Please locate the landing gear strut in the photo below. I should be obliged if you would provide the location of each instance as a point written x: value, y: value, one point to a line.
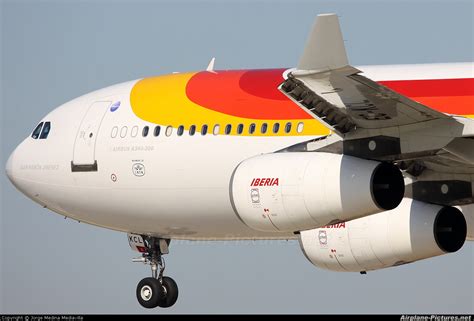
x: 157, y: 290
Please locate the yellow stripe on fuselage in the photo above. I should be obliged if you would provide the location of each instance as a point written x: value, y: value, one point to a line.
x: 162, y: 100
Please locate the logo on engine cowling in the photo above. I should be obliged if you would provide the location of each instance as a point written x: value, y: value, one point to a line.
x: 255, y: 195
x: 265, y: 182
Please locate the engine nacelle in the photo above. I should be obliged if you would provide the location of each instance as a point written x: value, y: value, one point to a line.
x: 301, y: 191
x: 468, y: 211
x: 411, y: 232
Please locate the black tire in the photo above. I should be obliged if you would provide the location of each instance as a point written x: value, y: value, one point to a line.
x: 170, y: 293
x: 149, y: 293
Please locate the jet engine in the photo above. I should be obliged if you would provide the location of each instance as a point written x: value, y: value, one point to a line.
x: 468, y: 211
x: 411, y: 232
x: 300, y: 191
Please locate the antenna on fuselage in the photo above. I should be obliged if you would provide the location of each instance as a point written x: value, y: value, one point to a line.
x: 210, y: 66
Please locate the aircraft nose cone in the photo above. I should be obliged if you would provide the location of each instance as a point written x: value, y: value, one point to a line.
x: 13, y: 172
x: 9, y: 166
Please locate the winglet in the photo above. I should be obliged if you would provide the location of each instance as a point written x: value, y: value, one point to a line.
x: 325, y: 47
x: 210, y: 67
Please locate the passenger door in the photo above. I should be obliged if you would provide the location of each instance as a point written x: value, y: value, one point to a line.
x: 84, y: 146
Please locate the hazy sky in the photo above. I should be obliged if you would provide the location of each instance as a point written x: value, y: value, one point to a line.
x: 53, y: 51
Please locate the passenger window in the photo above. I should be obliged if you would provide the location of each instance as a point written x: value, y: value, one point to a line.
x: 204, y: 130
x: 114, y: 132
x: 192, y: 130
x: 288, y: 128
x: 37, y: 131
x: 228, y: 129
x: 169, y: 131
x: 252, y: 128
x: 156, y: 131
x: 240, y: 129
x: 145, y: 131
x: 264, y: 128
x: 300, y: 127
x: 123, y: 131
x: 276, y: 128
x: 216, y: 130
x: 46, y: 130
x: 180, y: 130
x: 134, y: 132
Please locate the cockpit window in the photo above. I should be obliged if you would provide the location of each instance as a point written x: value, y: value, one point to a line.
x: 46, y: 130
x: 37, y: 131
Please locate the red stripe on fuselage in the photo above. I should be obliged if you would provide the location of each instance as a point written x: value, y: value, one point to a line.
x: 254, y: 94
x: 250, y: 94
x: 451, y: 96
x: 432, y: 87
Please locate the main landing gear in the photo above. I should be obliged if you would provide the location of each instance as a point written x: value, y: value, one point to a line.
x: 157, y: 290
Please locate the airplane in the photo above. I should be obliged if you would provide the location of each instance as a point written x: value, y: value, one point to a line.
x: 367, y: 167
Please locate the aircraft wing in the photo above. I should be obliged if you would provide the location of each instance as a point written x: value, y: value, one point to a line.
x: 374, y: 122
x: 345, y: 101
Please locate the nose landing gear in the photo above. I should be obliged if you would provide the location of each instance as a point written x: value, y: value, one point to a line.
x: 157, y: 290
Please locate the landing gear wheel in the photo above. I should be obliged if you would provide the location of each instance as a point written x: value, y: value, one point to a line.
x: 158, y: 290
x: 150, y: 292
x: 170, y: 295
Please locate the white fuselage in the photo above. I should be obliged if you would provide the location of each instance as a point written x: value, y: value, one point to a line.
x: 180, y: 188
